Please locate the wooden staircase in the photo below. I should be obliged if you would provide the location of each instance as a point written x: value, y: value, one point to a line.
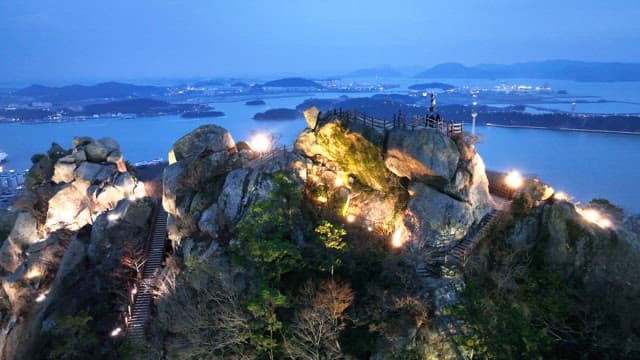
x: 442, y: 262
x: 144, y: 296
x: 459, y: 254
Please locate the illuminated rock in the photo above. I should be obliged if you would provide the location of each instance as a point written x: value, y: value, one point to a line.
x: 423, y: 155
x: 207, y: 139
x: 311, y: 116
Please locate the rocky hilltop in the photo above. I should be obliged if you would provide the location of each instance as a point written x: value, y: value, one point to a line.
x: 338, y: 247
x: 81, y: 219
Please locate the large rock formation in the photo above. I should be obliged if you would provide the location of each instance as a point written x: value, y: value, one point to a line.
x: 45, y: 257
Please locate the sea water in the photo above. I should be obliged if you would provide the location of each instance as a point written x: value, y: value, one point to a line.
x: 585, y: 165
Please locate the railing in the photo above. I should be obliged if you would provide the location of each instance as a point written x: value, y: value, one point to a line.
x: 399, y: 121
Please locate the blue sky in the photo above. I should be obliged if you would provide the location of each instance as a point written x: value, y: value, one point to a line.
x: 83, y: 40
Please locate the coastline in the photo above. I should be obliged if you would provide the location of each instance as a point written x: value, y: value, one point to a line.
x: 562, y: 129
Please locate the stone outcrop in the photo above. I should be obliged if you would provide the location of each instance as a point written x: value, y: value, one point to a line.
x: 46, y: 255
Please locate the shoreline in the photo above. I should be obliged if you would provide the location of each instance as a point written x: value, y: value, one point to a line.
x: 617, y: 132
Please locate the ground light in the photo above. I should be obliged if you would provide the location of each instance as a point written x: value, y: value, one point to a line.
x: 116, y: 332
x: 514, y: 180
x: 396, y: 239
x: 594, y: 216
x: 261, y: 142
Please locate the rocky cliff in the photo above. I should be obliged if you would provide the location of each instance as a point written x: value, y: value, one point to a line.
x: 80, y: 227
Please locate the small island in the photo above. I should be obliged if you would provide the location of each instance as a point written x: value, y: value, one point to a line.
x: 255, y: 102
x: 278, y: 114
x: 202, y: 114
x: 432, y: 85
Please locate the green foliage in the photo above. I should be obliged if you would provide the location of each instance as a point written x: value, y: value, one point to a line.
x: 332, y: 236
x: 266, y: 325
x: 522, y: 205
x: 72, y: 338
x: 616, y: 212
x: 355, y: 154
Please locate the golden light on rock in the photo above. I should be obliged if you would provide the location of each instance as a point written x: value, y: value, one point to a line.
x: 261, y: 142
x: 594, y: 216
x: 561, y: 196
x: 339, y: 181
x: 33, y: 273
x: 514, y: 180
x: 322, y: 199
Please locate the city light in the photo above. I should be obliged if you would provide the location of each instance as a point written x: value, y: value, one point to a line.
x: 261, y: 142
x: 514, y: 180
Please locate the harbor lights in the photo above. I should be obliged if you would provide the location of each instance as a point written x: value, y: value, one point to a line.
x: 514, y: 180
x: 261, y: 142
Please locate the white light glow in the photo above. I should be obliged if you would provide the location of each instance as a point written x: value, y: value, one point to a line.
x: 261, y: 142
x: 351, y: 218
x: 514, y: 180
x: 113, y: 217
x: 562, y: 196
x: 41, y: 298
x: 594, y: 216
x: 339, y: 181
x: 116, y: 331
x: 369, y: 228
x: 396, y: 239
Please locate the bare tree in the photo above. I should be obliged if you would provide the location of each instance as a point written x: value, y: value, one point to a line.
x: 203, y: 311
x: 315, y: 329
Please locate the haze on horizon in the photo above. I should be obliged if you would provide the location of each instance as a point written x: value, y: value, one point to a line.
x: 73, y: 41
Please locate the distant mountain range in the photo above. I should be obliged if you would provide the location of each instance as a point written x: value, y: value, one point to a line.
x: 108, y: 90
x: 551, y: 69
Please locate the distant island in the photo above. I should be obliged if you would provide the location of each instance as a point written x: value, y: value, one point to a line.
x: 431, y: 85
x: 550, y: 69
x: 202, y: 114
x: 108, y: 90
x: 293, y: 82
x: 255, y: 102
x: 121, y: 108
x: 278, y: 114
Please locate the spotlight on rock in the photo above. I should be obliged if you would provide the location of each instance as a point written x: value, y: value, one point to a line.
x: 261, y: 142
x: 514, y: 180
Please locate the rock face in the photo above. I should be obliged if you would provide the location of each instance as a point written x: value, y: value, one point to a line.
x: 45, y: 253
x: 205, y: 139
x: 421, y: 155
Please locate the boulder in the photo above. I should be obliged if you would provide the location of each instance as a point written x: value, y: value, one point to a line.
x: 10, y: 256
x: 96, y: 152
x: 437, y: 218
x: 79, y: 141
x: 208, y: 221
x: 206, y: 138
x: 233, y: 194
x: 25, y: 230
x: 423, y: 155
x: 64, y: 169
x: 92, y: 172
x: 69, y: 208
x: 311, y: 116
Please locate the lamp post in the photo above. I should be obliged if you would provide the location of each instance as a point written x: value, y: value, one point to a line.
x: 474, y: 114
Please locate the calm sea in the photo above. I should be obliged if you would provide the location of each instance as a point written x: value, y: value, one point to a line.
x: 585, y: 165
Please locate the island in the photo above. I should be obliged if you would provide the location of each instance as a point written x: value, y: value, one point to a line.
x: 432, y: 85
x: 293, y: 82
x: 278, y: 114
x: 202, y: 114
x: 255, y: 102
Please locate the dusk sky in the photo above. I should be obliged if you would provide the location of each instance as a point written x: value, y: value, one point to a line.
x: 80, y: 40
